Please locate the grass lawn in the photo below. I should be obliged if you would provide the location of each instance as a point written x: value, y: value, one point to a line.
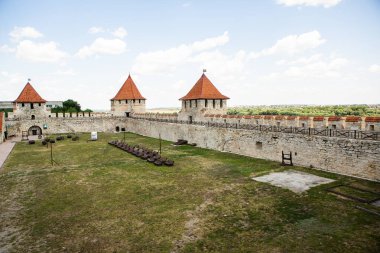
x: 101, y: 199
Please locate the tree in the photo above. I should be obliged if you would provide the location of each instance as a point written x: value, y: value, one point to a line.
x: 71, y: 106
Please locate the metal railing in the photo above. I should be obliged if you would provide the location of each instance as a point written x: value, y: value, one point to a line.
x: 340, y: 133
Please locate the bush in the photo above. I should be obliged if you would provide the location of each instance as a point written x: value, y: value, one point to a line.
x: 69, y: 136
x: 47, y: 139
x: 52, y: 141
x: 75, y: 138
x: 32, y: 142
x: 44, y: 142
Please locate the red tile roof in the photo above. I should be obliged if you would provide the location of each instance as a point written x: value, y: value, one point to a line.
x: 372, y: 119
x: 291, y: 118
x: 318, y: 118
x: 304, y: 118
x: 334, y: 118
x: 204, y: 89
x: 353, y: 119
x: 128, y: 91
x: 29, y: 95
x: 1, y: 121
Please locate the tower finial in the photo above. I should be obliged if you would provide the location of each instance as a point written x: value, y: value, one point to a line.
x: 29, y: 79
x: 204, y: 70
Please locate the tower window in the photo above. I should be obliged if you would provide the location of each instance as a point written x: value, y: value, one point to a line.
x: 206, y: 102
x: 213, y: 103
x: 139, y: 101
x: 221, y: 103
x: 22, y: 104
x: 119, y: 101
x: 134, y: 100
x: 196, y: 103
x: 39, y: 104
x: 185, y: 103
x: 190, y: 104
x: 31, y: 106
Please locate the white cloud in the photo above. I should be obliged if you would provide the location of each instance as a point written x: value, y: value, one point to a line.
x: 6, y: 49
x: 302, y: 60
x: 314, y: 67
x: 293, y: 44
x: 120, y: 32
x: 39, y: 52
x: 324, y: 3
x: 65, y: 72
x: 102, y: 46
x: 19, y: 33
x: 210, y: 42
x: 95, y: 29
x: 170, y: 59
x: 374, y: 68
x: 225, y: 68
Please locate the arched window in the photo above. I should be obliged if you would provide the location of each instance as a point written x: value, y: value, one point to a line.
x: 117, y: 129
x: 33, y: 117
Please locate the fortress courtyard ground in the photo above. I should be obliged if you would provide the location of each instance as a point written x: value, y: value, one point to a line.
x: 98, y: 198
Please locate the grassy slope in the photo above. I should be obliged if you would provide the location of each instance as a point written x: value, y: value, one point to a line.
x: 101, y: 199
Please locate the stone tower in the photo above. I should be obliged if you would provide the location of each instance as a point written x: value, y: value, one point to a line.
x: 30, y: 105
x: 128, y: 100
x: 203, y: 98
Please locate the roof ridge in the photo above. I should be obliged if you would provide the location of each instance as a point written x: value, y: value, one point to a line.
x: 204, y: 89
x: 29, y: 94
x: 128, y: 90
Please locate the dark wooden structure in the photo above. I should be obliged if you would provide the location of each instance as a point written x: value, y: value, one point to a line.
x: 287, y: 159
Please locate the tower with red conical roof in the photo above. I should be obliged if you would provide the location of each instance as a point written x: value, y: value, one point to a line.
x: 128, y: 100
x: 203, y: 98
x: 30, y: 105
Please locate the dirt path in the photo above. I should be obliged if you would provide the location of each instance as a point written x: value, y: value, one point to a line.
x: 193, y: 227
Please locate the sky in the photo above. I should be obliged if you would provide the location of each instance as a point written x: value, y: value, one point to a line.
x: 258, y: 52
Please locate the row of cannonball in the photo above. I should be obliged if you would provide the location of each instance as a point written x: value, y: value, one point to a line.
x: 144, y: 153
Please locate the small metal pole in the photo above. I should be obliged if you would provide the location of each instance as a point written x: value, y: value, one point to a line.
x: 160, y: 141
x: 51, y: 153
x: 124, y: 136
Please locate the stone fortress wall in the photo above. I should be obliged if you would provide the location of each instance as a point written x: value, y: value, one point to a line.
x: 332, y: 122
x: 354, y: 157
x: 2, y: 127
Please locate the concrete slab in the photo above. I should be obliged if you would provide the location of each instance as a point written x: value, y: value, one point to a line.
x: 296, y: 181
x: 376, y: 203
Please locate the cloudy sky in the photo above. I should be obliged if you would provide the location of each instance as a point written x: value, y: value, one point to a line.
x: 256, y: 52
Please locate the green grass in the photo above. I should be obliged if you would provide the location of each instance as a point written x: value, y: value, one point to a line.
x: 101, y: 199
